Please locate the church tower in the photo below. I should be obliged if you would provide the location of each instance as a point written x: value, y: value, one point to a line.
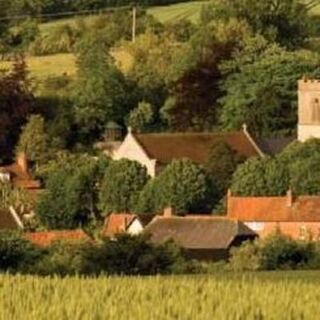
x: 308, y: 109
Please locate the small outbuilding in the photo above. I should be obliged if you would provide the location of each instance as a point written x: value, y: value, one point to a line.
x: 202, y: 237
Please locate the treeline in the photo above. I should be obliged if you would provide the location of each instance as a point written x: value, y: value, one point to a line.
x: 33, y: 8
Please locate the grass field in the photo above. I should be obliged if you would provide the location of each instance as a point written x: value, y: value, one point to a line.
x: 292, y: 295
x: 188, y: 10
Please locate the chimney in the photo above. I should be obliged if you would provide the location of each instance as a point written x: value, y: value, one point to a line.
x: 168, y: 212
x: 22, y: 161
x: 289, y: 198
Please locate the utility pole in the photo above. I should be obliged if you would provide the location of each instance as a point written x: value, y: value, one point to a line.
x: 134, y: 21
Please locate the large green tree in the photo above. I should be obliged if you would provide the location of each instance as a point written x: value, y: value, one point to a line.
x: 183, y: 185
x: 123, y: 180
x: 71, y: 196
x: 100, y: 93
x: 260, y: 87
x: 194, y: 75
x: 260, y: 177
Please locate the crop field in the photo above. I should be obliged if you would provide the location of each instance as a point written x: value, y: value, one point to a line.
x: 281, y: 295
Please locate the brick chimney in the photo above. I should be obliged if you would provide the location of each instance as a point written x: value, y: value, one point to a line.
x: 168, y: 212
x: 289, y: 198
x: 22, y: 161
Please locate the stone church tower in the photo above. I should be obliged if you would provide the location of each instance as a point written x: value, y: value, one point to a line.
x: 308, y: 109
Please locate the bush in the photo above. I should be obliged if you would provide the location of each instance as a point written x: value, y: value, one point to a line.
x: 275, y: 252
x: 16, y: 253
x: 134, y: 255
x: 62, y: 258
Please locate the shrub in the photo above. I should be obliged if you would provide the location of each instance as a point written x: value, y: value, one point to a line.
x: 16, y: 253
x: 245, y: 257
x: 134, y: 255
x: 275, y: 252
x: 62, y: 258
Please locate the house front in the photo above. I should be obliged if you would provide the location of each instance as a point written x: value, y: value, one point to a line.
x: 298, y: 217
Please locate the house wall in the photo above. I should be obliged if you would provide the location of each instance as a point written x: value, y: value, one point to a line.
x: 130, y: 149
x: 135, y: 227
x: 297, y: 230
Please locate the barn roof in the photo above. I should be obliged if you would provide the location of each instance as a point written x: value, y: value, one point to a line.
x: 165, y: 147
x: 197, y: 232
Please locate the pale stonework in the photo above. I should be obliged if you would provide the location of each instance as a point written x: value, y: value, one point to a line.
x: 308, y: 109
x: 131, y: 149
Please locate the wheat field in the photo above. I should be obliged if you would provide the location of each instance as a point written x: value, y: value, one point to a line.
x: 260, y: 296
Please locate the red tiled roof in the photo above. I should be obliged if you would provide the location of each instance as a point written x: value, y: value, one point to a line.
x: 165, y: 147
x: 117, y: 223
x: 46, y: 238
x: 275, y: 209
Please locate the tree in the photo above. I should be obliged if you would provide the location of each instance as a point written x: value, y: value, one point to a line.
x: 33, y: 140
x: 16, y: 104
x: 121, y: 185
x: 302, y: 161
x: 260, y: 177
x: 260, y: 87
x: 221, y: 165
x: 194, y: 76
x: 284, y: 21
x: 100, y: 94
x: 71, y: 196
x: 182, y: 185
x: 141, y: 117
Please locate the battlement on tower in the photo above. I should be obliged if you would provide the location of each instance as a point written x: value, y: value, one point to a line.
x: 306, y: 84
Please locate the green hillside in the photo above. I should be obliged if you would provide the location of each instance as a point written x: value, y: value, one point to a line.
x: 187, y: 10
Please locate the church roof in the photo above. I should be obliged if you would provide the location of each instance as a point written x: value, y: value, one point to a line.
x: 165, y: 147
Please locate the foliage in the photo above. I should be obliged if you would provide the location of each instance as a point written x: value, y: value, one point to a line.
x: 221, y: 165
x: 194, y: 75
x: 260, y: 177
x: 70, y: 199
x: 260, y: 87
x: 141, y: 117
x: 275, y: 252
x: 295, y: 168
x: 287, y: 22
x: 16, y: 104
x: 16, y: 253
x: 62, y: 258
x: 100, y: 93
x: 33, y: 141
x: 122, y: 182
x: 182, y: 185
x: 17, y: 198
x: 135, y: 255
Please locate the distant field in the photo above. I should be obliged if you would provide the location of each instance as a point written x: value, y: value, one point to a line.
x: 223, y: 296
x: 48, y: 66
x: 188, y: 10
